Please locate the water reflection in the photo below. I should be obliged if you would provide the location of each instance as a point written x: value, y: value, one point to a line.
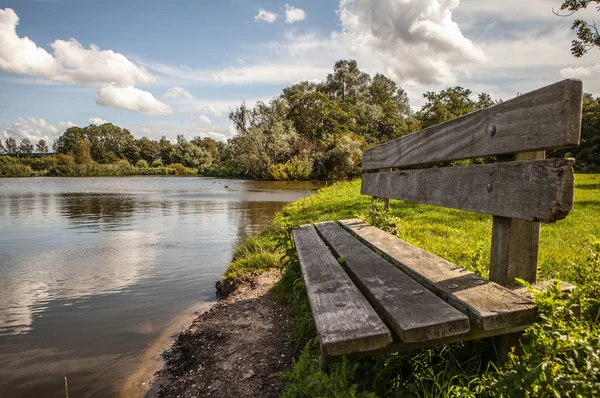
x: 91, y: 270
x: 87, y: 209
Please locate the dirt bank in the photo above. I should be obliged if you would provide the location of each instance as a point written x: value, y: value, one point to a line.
x: 232, y: 349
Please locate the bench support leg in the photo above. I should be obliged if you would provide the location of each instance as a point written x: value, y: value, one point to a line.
x: 514, y: 255
x: 514, y: 250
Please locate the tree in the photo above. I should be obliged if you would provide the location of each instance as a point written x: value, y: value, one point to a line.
x: 11, y: 146
x: 165, y: 150
x: 42, y: 147
x: 148, y: 150
x: 26, y: 147
x: 588, y: 36
x: 449, y: 104
x: 188, y: 154
x: 2, y: 149
x: 82, y: 153
x: 66, y: 143
x: 209, y: 145
x: 347, y: 82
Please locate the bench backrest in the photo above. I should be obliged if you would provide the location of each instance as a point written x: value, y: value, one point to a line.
x: 520, y: 190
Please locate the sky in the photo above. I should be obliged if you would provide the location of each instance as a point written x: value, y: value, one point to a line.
x: 178, y: 67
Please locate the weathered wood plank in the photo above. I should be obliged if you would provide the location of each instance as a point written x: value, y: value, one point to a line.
x: 514, y: 252
x: 540, y: 120
x: 501, y: 189
x: 400, y: 346
x: 344, y: 320
x: 488, y: 305
x: 412, y: 311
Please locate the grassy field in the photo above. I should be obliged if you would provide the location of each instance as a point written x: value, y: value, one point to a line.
x: 561, y: 357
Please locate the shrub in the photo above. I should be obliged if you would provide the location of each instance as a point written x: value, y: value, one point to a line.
x: 15, y: 170
x: 64, y: 160
x: 157, y: 163
x: 295, y: 169
x: 141, y: 163
x: 181, y: 169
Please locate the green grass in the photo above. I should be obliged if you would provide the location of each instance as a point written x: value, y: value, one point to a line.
x: 560, y: 350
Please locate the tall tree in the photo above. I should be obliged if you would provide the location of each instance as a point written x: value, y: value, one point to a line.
x: 2, y: 149
x: 148, y: 150
x: 165, y: 150
x: 26, y: 147
x: 41, y: 146
x: 11, y: 146
x: 347, y: 82
x: 588, y: 36
x: 82, y: 153
x: 189, y: 154
x: 449, y: 104
x: 66, y: 143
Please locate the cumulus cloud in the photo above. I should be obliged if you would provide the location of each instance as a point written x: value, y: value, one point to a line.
x: 71, y: 63
x: 98, y: 121
x: 416, y: 39
x: 62, y: 126
x: 132, y: 99
x: 214, y: 110
x: 178, y: 93
x: 293, y: 14
x: 581, y: 71
x: 30, y: 127
x: 205, y: 119
x: 265, y: 16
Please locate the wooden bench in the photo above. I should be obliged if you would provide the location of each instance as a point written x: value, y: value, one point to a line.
x: 372, y: 293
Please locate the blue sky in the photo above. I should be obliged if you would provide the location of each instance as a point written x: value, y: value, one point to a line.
x: 168, y: 68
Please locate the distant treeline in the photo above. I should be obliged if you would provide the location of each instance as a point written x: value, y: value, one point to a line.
x: 310, y: 131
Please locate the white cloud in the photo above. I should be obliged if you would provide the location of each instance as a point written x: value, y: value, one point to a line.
x: 581, y: 71
x: 132, y: 99
x: 178, y: 93
x: 98, y: 121
x: 214, y: 110
x: 71, y: 63
x: 204, y: 119
x: 268, y: 72
x: 30, y: 127
x: 293, y: 14
x: 62, y: 126
x: 416, y: 40
x: 266, y: 16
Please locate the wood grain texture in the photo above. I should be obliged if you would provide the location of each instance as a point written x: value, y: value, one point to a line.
x: 344, y: 320
x: 399, y: 346
x: 488, y: 305
x: 414, y: 317
x: 542, y: 119
x: 514, y: 252
x: 539, y: 190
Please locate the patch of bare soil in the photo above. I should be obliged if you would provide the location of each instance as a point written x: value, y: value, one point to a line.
x: 233, y: 349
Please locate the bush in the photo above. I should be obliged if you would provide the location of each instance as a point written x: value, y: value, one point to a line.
x: 157, y: 163
x: 15, y: 170
x: 220, y: 170
x: 64, y: 160
x: 294, y: 170
x: 142, y: 163
x: 181, y: 170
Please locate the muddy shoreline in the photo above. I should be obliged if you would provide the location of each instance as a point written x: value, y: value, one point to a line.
x: 231, y: 349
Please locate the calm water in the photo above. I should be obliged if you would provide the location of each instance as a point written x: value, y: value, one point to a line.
x: 93, y: 269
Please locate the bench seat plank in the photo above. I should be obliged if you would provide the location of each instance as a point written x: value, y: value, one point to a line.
x: 414, y: 317
x: 489, y: 305
x: 344, y: 320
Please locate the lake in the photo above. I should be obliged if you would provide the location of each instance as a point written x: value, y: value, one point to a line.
x: 92, y: 270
